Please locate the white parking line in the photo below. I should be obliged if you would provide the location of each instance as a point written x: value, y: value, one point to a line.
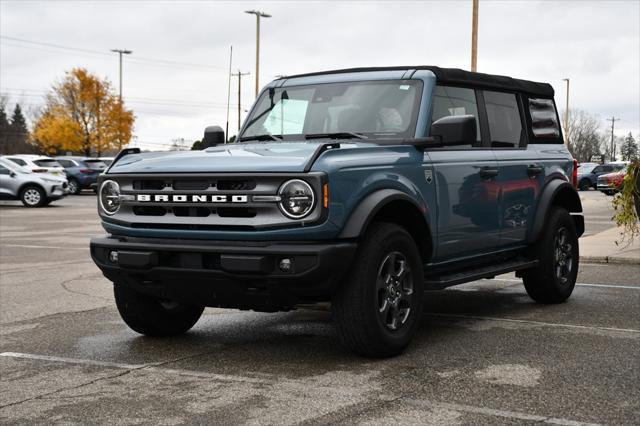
x: 496, y: 413
x: 628, y: 287
x: 45, y: 247
x: 541, y: 323
x: 147, y: 367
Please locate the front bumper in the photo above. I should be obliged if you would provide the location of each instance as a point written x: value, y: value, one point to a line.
x: 224, y: 273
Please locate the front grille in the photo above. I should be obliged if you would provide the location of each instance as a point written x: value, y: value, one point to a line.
x: 207, y: 201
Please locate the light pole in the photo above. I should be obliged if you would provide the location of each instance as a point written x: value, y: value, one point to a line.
x: 121, y: 52
x: 566, y: 115
x: 239, y: 74
x: 259, y: 15
x: 474, y: 36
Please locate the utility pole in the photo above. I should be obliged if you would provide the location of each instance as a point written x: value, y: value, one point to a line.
x: 474, y: 36
x: 566, y: 115
x: 239, y: 74
x: 259, y: 15
x: 120, y: 52
x: 226, y: 138
x: 613, y: 121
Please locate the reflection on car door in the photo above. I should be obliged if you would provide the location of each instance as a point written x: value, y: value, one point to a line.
x: 521, y: 175
x: 466, y: 191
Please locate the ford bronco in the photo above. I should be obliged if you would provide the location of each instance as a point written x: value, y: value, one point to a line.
x: 359, y: 187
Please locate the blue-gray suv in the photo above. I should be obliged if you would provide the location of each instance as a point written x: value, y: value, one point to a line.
x: 360, y: 187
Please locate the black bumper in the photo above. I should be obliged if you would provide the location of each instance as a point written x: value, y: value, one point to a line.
x: 223, y: 273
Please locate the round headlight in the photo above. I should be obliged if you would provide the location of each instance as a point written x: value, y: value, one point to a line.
x: 110, y: 197
x: 296, y: 198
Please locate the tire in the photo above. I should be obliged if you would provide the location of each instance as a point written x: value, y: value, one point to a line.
x: 74, y: 187
x: 553, y: 280
x: 585, y: 185
x: 609, y: 193
x: 33, y: 196
x: 152, y: 316
x: 369, y: 289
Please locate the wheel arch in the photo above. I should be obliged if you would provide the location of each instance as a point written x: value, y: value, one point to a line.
x: 557, y: 193
x: 394, y: 206
x: 27, y: 184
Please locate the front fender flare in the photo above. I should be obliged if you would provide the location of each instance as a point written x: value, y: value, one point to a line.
x: 367, y: 209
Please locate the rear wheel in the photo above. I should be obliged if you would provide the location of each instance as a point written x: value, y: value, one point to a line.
x: 152, y: 316
x: 553, y: 280
x: 33, y: 196
x: 379, y: 305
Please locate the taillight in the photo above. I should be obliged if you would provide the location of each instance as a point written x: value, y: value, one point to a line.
x: 39, y: 170
x: 574, y: 175
x: 86, y: 171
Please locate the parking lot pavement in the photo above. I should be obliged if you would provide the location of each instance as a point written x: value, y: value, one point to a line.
x: 484, y: 353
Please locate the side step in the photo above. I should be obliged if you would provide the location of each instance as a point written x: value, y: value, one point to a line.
x: 449, y: 279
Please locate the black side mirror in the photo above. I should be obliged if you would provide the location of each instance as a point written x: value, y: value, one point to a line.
x: 455, y: 130
x: 12, y: 174
x: 213, y: 135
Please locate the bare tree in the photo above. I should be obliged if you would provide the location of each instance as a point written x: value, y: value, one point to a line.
x: 584, y: 136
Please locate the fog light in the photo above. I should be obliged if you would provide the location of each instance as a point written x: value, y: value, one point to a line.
x: 285, y: 265
x: 113, y: 256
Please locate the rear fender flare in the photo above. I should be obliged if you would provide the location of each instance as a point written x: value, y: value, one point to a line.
x: 561, y: 193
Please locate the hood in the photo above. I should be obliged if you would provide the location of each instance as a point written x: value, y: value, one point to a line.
x: 236, y: 158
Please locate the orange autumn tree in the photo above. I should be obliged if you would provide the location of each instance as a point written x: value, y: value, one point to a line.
x: 83, y: 114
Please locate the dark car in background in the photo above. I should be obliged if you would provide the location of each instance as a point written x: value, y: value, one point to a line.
x: 588, y: 173
x: 82, y: 172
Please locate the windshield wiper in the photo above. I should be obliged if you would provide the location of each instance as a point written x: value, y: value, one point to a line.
x: 265, y: 137
x: 336, y: 135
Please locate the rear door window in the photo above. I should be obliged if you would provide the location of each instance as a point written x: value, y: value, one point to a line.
x: 453, y: 101
x: 503, y: 115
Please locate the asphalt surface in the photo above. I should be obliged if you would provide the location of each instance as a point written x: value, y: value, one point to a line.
x: 484, y: 353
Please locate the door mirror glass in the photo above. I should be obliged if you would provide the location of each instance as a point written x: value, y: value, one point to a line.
x: 213, y: 135
x: 455, y: 130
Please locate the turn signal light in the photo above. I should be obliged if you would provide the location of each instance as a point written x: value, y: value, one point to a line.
x: 325, y: 195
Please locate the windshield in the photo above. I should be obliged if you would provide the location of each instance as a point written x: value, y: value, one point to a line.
x: 370, y: 109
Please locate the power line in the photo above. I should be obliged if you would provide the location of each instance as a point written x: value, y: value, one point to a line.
x: 138, y: 59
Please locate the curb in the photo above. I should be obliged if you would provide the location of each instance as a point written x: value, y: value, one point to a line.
x: 610, y: 260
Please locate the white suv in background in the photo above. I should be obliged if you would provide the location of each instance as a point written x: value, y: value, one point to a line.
x: 37, y: 164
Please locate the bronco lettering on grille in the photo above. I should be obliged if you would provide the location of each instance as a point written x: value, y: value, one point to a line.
x: 181, y: 198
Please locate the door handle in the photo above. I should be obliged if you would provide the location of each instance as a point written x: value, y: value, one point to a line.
x: 533, y: 170
x: 487, y: 173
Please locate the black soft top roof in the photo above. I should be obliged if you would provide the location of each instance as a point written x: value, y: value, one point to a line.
x: 458, y: 77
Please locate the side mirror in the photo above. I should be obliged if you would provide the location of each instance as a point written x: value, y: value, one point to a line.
x: 213, y: 135
x: 455, y: 130
x: 12, y: 174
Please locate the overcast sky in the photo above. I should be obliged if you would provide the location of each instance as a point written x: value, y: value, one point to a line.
x: 176, y: 78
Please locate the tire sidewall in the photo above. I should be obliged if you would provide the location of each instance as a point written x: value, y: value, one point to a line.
x: 73, y: 181
x: 560, y: 218
x: 40, y: 203
x: 396, y: 240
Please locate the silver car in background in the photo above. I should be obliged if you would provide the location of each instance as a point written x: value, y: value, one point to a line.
x: 33, y: 189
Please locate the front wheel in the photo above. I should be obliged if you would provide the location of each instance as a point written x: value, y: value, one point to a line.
x: 33, y: 196
x: 151, y: 316
x: 379, y: 305
x: 553, y: 280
